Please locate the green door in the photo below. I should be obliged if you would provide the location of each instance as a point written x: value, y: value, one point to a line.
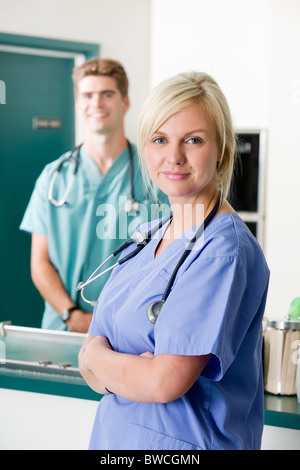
x: 36, y: 87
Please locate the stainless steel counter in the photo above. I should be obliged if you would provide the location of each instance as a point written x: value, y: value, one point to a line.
x: 40, y: 354
x: 46, y: 361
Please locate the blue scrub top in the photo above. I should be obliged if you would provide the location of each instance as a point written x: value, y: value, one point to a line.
x: 215, y: 307
x: 92, y: 224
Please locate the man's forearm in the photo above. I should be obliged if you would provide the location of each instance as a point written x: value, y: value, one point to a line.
x: 49, y: 284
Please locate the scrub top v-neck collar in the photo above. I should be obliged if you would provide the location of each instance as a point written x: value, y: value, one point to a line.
x: 177, y: 244
x: 92, y: 172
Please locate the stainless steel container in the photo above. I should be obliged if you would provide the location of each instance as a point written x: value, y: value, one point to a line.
x: 298, y: 375
x: 281, y: 343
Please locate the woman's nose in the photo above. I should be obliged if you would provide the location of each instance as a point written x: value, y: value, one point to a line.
x: 175, y: 155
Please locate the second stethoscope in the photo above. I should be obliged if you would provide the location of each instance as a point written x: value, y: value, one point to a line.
x: 130, y: 205
x: 141, y: 240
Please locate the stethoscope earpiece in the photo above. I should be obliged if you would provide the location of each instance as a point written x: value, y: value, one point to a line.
x: 154, y: 310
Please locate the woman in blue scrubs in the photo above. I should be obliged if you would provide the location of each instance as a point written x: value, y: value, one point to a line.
x: 192, y: 380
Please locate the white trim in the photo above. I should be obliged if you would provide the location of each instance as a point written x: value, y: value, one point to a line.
x: 43, y: 52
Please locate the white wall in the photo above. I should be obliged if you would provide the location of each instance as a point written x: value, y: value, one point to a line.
x: 283, y: 186
x: 251, y: 47
x: 121, y: 28
x: 217, y: 37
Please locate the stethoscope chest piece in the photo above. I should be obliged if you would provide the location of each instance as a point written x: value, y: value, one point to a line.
x: 154, y: 310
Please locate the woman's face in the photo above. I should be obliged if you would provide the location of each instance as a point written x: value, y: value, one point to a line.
x: 182, y: 156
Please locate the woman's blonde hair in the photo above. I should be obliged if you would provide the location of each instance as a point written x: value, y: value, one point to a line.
x: 174, y: 95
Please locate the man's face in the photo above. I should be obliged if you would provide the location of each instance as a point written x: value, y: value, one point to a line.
x: 100, y: 103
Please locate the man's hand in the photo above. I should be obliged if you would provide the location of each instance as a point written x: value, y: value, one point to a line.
x: 79, y: 321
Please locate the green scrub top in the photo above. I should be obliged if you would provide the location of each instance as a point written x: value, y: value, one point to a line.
x: 91, y: 225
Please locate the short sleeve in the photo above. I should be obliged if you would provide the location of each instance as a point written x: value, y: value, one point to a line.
x: 36, y: 214
x: 93, y: 328
x: 208, y: 311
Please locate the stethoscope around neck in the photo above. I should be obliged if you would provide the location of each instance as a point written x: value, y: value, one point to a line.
x: 142, y: 239
x: 130, y: 205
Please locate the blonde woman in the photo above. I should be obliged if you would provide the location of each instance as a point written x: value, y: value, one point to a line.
x: 187, y: 374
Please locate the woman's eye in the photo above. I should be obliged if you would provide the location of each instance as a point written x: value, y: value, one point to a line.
x: 159, y: 140
x: 194, y: 140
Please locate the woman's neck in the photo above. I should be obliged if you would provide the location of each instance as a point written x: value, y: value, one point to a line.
x: 187, y: 215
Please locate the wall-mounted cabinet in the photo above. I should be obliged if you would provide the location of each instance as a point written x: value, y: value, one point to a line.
x: 247, y: 193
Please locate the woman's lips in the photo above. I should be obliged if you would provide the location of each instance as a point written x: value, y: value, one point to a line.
x: 175, y: 175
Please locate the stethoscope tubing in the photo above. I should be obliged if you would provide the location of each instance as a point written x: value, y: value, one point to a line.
x: 189, y: 247
x: 132, y: 204
x: 142, y: 240
x: 70, y: 158
x: 154, y: 308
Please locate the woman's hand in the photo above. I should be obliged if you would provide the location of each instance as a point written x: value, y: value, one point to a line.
x: 93, y: 349
x: 92, y: 346
x: 87, y: 351
x: 148, y: 354
x: 99, y: 342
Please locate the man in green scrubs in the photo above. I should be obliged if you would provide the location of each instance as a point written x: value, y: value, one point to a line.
x: 70, y: 241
